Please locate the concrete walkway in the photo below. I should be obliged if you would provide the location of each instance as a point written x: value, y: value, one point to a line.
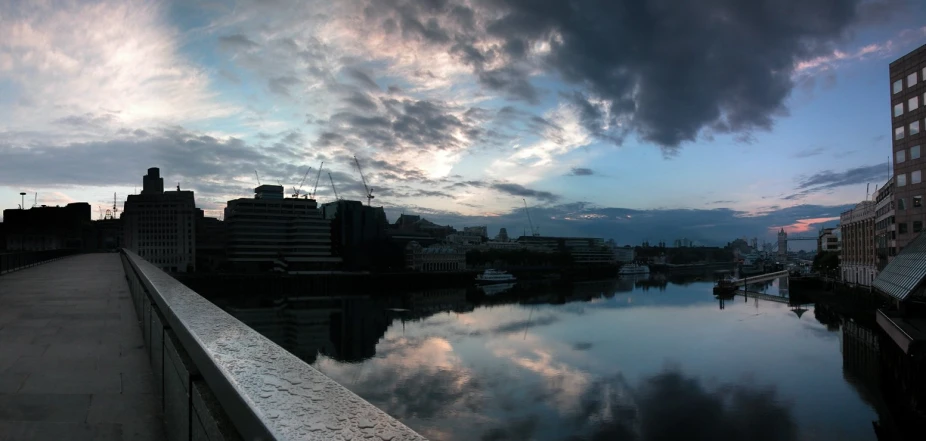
x: 72, y: 361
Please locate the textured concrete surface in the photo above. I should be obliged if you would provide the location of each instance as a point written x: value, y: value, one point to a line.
x: 72, y: 360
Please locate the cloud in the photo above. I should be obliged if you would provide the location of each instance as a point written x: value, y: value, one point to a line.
x: 236, y: 42
x: 520, y: 190
x: 828, y: 179
x: 806, y: 153
x: 580, y: 171
x: 642, y: 66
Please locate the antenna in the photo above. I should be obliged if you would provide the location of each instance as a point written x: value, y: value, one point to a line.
x: 258, y: 177
x: 116, y: 210
x: 368, y: 189
x: 316, y: 179
x: 867, y: 187
x: 333, y: 188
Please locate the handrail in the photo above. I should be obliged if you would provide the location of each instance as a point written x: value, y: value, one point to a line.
x: 896, y: 326
x: 267, y: 393
x: 16, y: 260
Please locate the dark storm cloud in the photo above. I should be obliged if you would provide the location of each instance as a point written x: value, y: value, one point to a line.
x: 580, y: 171
x: 236, y: 41
x: 522, y: 191
x: 828, y: 179
x: 667, y: 70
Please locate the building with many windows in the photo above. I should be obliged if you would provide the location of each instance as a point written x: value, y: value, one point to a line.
x: 828, y: 240
x: 908, y: 110
x: 47, y: 228
x: 885, y: 234
x: 271, y: 232
x: 160, y: 226
x: 435, y: 258
x: 858, y: 260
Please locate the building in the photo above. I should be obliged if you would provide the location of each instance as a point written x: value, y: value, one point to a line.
x: 624, y: 254
x: 271, y: 232
x: 210, y: 243
x: 160, y: 225
x: 885, y: 229
x: 783, y: 244
x: 47, y: 228
x: 502, y: 235
x: 828, y: 240
x: 358, y: 233
x: 407, y: 223
x: 908, y: 93
x: 582, y: 250
x: 480, y: 231
x: 435, y: 258
x: 106, y: 234
x: 858, y: 260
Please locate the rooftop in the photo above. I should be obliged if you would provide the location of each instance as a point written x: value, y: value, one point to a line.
x: 901, y: 277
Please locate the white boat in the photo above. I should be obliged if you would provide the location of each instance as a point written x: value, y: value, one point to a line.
x: 494, y: 276
x: 633, y: 268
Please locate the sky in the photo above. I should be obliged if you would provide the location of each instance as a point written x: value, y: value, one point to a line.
x: 630, y: 119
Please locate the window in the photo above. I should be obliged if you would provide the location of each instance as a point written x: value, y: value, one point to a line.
x: 917, y: 201
x: 898, y: 86
x: 915, y: 152
x: 911, y: 79
x: 917, y: 226
x: 914, y: 127
x: 898, y: 133
x: 901, y: 204
x: 901, y: 156
x: 916, y: 177
x: 902, y: 228
x: 913, y: 103
x: 901, y: 180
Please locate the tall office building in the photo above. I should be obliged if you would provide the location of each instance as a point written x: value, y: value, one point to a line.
x: 885, y: 228
x: 160, y: 225
x: 270, y: 232
x: 858, y: 259
x: 908, y: 109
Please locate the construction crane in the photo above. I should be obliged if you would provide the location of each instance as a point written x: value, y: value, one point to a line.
x: 116, y: 210
x: 296, y: 191
x: 333, y: 188
x: 258, y: 178
x: 369, y: 190
x: 534, y: 232
x: 317, y: 176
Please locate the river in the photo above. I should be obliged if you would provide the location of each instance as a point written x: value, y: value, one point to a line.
x: 624, y: 359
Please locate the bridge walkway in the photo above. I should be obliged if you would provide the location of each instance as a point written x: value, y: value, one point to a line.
x: 72, y: 360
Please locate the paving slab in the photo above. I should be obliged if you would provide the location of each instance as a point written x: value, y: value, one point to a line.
x: 72, y: 363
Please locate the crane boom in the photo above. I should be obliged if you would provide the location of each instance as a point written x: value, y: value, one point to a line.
x: 333, y: 188
x: 295, y: 191
x: 529, y: 221
x: 369, y: 190
x: 319, y: 175
x: 258, y: 178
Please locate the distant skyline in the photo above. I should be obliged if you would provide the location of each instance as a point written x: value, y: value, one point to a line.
x: 709, y: 120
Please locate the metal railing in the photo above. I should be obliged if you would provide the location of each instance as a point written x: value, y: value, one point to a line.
x: 265, y: 392
x: 16, y: 260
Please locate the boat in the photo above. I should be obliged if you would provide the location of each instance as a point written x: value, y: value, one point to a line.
x: 633, y: 268
x: 494, y: 276
x: 496, y: 288
x: 725, y: 286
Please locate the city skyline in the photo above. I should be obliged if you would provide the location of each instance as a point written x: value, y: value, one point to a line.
x: 459, y: 111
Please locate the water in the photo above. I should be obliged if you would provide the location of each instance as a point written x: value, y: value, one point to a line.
x: 644, y: 360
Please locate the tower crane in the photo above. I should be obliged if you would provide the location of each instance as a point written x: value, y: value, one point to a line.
x: 295, y: 190
x: 369, y: 190
x: 534, y: 232
x: 258, y: 177
x: 317, y: 176
x: 333, y: 188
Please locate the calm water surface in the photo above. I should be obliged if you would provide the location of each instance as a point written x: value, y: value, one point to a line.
x: 638, y: 360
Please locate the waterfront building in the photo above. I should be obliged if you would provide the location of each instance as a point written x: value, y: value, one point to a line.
x: 583, y: 250
x: 828, y: 240
x: 885, y: 228
x: 159, y: 225
x: 47, y: 228
x: 358, y: 233
x: 858, y: 260
x: 271, y: 232
x: 435, y: 258
x: 904, y: 279
x: 908, y: 107
x: 624, y: 254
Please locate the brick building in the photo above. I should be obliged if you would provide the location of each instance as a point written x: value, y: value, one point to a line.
x: 908, y: 110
